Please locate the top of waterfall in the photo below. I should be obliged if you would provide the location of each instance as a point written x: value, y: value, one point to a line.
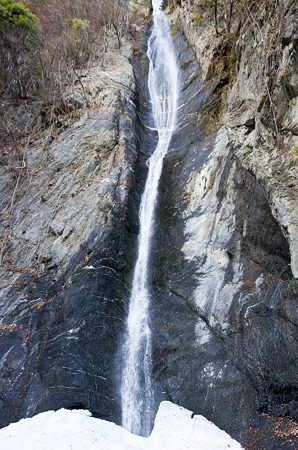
x: 156, y: 5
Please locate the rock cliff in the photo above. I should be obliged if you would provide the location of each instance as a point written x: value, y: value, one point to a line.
x: 224, y: 257
x: 258, y: 62
x: 227, y: 242
x: 67, y: 254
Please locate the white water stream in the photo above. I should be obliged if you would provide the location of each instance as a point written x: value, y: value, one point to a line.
x: 136, y: 389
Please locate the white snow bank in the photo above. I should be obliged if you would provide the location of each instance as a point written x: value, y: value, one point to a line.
x: 174, y: 429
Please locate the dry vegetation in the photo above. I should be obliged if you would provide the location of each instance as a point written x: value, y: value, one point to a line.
x: 66, y: 36
x: 44, y: 44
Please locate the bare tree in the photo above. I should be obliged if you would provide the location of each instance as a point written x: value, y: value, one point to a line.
x: 230, y: 16
x: 214, y: 4
x: 115, y: 13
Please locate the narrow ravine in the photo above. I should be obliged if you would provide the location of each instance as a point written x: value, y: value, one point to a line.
x: 137, y: 396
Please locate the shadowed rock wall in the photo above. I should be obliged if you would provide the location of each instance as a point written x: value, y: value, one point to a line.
x: 66, y: 269
x: 223, y: 290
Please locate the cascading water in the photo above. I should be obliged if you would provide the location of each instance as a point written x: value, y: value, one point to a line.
x: 136, y: 389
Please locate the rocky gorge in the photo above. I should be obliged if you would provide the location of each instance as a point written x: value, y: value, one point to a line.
x: 224, y: 258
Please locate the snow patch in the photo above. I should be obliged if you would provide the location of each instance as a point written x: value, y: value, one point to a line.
x: 175, y: 428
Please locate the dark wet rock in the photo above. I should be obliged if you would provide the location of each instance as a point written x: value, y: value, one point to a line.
x: 66, y: 270
x: 221, y: 271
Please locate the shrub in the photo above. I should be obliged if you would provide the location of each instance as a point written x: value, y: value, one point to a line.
x: 19, y: 43
x: 78, y: 27
x: 198, y: 18
x: 17, y: 15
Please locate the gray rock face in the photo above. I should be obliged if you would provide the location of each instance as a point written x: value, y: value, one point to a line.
x: 226, y: 248
x: 261, y: 117
x: 71, y: 235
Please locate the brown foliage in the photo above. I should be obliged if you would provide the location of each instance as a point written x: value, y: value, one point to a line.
x: 71, y: 34
x: 36, y: 75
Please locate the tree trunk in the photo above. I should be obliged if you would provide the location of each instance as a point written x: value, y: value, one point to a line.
x: 230, y: 16
x: 215, y: 17
x: 117, y: 34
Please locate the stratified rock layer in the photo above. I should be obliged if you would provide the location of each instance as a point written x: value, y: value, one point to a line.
x: 72, y: 243
x: 223, y: 286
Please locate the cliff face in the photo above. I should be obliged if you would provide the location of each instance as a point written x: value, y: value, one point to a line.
x: 69, y: 248
x: 227, y: 241
x: 223, y: 258
x: 258, y: 62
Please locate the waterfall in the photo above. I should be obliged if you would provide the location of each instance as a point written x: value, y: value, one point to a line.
x: 136, y: 389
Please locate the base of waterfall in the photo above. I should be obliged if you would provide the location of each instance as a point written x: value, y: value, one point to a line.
x: 175, y: 428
